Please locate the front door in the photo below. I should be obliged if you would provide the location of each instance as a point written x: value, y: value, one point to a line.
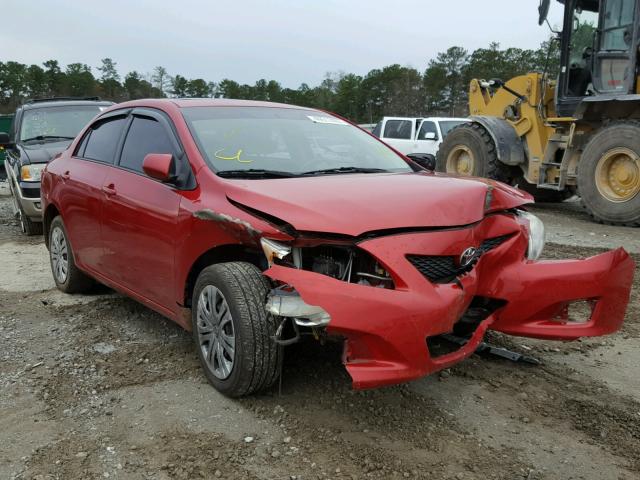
x: 140, y: 215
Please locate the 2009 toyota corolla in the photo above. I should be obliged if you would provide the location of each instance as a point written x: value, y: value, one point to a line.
x: 251, y: 223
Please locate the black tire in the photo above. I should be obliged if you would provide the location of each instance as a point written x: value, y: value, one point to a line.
x: 75, y: 281
x: 28, y: 226
x: 256, y: 362
x: 485, y: 158
x: 614, y: 135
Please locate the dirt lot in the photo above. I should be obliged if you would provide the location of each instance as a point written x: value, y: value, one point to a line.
x: 98, y: 386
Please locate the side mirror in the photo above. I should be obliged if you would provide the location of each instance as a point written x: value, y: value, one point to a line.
x: 160, y: 166
x: 543, y: 11
x: 425, y: 160
x: 5, y: 141
x: 430, y: 136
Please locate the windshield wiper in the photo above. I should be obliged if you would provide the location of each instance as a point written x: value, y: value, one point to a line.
x: 254, y: 173
x: 47, y: 137
x: 329, y: 171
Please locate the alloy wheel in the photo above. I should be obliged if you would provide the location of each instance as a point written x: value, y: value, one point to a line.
x: 59, y: 255
x: 215, y: 331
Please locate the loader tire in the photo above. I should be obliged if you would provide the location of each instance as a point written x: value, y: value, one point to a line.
x: 609, y: 174
x: 469, y: 150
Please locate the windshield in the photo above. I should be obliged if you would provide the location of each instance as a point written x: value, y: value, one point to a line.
x: 63, y: 122
x: 447, y: 125
x: 289, y: 141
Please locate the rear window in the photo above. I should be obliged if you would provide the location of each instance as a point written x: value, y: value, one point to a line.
x: 399, y: 129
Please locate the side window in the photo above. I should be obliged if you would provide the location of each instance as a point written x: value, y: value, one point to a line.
x: 377, y: 130
x: 145, y: 136
x: 82, y: 145
x: 428, y: 127
x: 103, y: 140
x: 400, y: 129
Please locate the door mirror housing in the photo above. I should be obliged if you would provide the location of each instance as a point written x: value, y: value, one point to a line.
x: 430, y: 136
x: 160, y: 166
x: 425, y: 160
x: 5, y: 141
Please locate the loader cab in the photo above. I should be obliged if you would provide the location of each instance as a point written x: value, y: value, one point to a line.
x: 599, y: 47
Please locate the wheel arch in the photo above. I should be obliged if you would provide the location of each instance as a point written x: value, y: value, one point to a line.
x: 220, y: 254
x: 509, y: 146
x: 49, y: 214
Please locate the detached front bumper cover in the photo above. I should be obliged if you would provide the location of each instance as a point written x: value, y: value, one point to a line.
x: 386, y: 330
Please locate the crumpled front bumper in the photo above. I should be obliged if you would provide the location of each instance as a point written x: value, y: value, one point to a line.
x: 386, y: 330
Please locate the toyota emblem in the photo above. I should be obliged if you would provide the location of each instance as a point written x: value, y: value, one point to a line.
x: 468, y: 256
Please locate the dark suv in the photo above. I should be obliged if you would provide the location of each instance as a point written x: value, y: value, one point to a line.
x: 41, y: 129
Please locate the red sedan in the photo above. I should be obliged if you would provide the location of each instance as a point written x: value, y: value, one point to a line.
x: 253, y: 223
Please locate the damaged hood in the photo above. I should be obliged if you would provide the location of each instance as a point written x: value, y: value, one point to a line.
x: 358, y: 203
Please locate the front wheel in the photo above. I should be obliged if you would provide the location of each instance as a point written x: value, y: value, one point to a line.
x: 232, y: 329
x: 609, y: 174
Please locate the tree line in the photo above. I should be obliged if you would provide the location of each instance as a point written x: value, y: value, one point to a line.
x: 393, y: 90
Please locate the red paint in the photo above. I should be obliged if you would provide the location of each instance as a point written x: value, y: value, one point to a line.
x: 158, y: 166
x: 140, y: 236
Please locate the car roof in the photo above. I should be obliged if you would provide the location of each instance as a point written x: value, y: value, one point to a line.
x: 62, y: 103
x: 206, y: 102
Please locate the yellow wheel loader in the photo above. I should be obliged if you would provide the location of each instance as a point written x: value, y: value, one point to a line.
x: 577, y: 133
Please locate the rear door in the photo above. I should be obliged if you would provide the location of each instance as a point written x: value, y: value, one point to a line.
x: 83, y: 174
x: 140, y: 213
x: 400, y: 134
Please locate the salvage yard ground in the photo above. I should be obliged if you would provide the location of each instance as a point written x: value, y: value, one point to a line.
x: 97, y: 386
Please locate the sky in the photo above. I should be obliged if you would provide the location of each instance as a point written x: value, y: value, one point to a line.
x: 291, y: 41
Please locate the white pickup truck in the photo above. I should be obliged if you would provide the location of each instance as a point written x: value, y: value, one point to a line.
x: 415, y: 135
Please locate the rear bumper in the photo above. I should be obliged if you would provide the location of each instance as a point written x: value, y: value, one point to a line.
x: 386, y: 331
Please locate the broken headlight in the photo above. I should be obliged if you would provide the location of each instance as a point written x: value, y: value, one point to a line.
x: 273, y: 249
x: 536, y: 235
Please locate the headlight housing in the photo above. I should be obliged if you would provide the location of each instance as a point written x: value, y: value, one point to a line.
x: 536, y: 235
x: 273, y: 249
x: 32, y: 172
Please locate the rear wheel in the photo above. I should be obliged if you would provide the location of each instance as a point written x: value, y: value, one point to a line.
x: 232, y: 329
x: 609, y: 174
x: 469, y: 150
x: 68, y: 277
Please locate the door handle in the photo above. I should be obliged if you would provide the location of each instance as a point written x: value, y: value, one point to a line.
x: 66, y: 175
x: 109, y: 189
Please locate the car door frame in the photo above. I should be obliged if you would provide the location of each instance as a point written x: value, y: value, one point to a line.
x: 190, y: 184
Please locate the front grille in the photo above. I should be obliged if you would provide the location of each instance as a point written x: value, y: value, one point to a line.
x: 445, y: 268
x: 31, y: 192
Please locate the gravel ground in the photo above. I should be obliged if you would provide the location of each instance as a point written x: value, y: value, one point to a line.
x: 97, y: 386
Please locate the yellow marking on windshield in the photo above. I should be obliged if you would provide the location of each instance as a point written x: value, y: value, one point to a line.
x: 235, y: 157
